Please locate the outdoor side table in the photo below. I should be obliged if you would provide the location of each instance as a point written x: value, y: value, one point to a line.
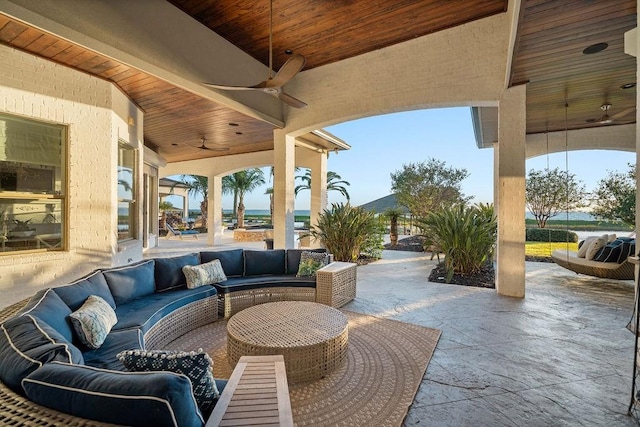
x: 312, y: 337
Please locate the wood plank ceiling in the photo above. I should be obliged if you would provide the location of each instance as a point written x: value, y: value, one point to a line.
x: 552, y: 35
x: 548, y: 56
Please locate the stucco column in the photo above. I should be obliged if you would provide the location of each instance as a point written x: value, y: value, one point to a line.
x: 510, y: 274
x: 318, y: 189
x: 214, y: 215
x: 283, y: 190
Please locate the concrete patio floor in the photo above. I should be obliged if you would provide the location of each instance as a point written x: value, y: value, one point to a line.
x: 560, y: 356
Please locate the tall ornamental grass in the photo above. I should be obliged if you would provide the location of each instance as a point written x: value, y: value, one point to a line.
x: 465, y: 234
x: 345, y: 230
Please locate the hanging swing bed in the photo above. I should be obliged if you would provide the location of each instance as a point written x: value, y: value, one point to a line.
x: 604, y: 256
x: 589, y: 267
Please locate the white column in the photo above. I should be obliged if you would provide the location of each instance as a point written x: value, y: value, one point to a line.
x: 510, y: 274
x: 214, y: 216
x: 283, y: 190
x: 318, y: 190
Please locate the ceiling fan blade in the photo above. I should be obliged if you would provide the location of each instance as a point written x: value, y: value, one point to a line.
x: 290, y: 100
x: 288, y: 71
x: 623, y: 113
x: 223, y: 87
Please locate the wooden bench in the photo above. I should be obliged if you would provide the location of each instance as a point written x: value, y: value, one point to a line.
x: 257, y: 394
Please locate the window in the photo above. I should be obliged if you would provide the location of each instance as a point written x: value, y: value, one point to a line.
x: 127, y: 172
x: 32, y: 185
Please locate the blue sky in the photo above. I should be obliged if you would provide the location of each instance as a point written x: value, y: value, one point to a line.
x: 382, y: 144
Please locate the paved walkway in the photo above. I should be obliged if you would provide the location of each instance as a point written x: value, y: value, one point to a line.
x: 560, y: 356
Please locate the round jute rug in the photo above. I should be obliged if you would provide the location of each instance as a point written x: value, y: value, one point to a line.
x: 375, y: 386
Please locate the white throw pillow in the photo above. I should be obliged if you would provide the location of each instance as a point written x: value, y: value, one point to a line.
x: 93, y: 321
x: 204, y: 274
x: 595, y: 246
x: 612, y: 237
x: 582, y: 252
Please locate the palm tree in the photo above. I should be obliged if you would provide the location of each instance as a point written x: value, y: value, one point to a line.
x: 334, y: 183
x: 393, y: 214
x: 244, y: 182
x: 164, y: 206
x: 228, y: 187
x: 197, y: 185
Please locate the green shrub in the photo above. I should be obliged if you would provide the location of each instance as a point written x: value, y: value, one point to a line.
x: 550, y: 235
x: 346, y: 230
x: 466, y: 236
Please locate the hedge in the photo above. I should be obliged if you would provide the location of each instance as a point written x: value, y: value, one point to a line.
x: 550, y: 235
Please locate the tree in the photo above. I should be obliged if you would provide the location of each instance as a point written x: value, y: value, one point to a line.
x: 334, y: 183
x: 241, y: 183
x: 393, y: 214
x: 164, y: 206
x: 425, y: 187
x: 615, y: 197
x: 197, y: 185
x: 551, y: 191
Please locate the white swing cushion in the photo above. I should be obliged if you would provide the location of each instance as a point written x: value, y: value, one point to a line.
x: 595, y: 246
x: 582, y: 251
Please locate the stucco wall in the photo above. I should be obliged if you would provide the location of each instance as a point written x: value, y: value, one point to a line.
x: 97, y: 115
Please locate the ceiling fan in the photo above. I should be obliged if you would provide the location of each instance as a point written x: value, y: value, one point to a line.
x: 204, y: 147
x: 273, y: 84
x: 606, y: 119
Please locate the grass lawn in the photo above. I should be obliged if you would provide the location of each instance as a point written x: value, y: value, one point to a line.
x: 545, y: 248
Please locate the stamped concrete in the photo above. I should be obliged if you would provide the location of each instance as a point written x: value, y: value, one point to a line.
x: 559, y: 357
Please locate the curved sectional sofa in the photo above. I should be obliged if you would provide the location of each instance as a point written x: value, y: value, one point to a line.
x: 49, y: 376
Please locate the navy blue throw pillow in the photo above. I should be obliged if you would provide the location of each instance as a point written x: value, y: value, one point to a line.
x: 610, y: 253
x: 231, y: 260
x: 197, y: 366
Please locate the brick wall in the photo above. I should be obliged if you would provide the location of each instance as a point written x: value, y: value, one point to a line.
x: 96, y: 117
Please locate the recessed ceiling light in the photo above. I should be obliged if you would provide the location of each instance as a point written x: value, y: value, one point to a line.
x: 595, y: 48
x: 174, y: 144
x: 288, y: 51
x: 628, y: 86
x: 238, y: 133
x: 233, y: 124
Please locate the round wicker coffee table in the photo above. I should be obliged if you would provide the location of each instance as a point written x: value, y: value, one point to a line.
x: 312, y: 337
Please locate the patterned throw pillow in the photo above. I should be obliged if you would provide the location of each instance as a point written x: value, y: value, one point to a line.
x: 197, y: 366
x: 93, y: 321
x: 204, y: 274
x: 310, y: 262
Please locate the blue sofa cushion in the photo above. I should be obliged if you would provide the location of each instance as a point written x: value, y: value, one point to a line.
x: 47, y: 306
x: 293, y: 258
x: 27, y: 343
x: 168, y: 271
x: 232, y: 261
x: 117, y: 341
x: 128, y: 398
x: 145, y: 312
x: 258, y: 263
x: 76, y: 293
x: 197, y: 366
x: 254, y: 282
x: 132, y: 281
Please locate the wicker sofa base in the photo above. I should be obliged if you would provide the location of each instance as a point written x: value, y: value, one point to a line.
x: 233, y: 302
x: 181, y: 321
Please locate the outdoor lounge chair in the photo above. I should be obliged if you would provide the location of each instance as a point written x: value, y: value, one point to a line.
x: 180, y: 233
